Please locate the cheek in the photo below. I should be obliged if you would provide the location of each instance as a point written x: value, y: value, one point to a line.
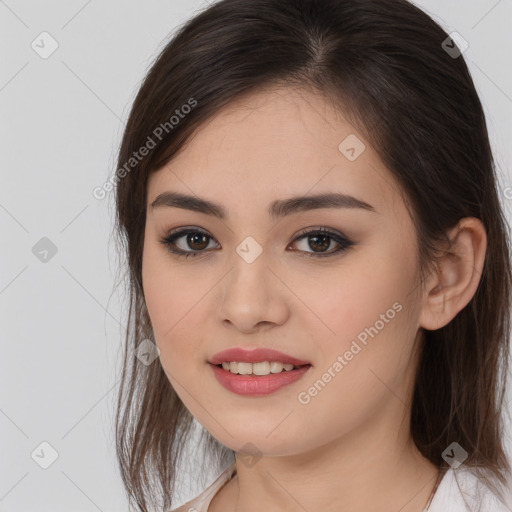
x: 165, y: 292
x: 366, y: 316
x: 176, y: 300
x: 343, y: 303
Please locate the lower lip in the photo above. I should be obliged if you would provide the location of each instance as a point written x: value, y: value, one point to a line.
x: 257, y: 385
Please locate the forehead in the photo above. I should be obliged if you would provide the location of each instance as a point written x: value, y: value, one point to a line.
x: 272, y: 144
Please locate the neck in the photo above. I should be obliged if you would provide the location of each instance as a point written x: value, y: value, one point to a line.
x: 362, y: 476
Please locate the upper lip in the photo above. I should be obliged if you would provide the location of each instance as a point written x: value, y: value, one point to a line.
x: 254, y: 356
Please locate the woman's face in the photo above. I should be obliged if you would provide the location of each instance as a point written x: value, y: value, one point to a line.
x: 255, y: 281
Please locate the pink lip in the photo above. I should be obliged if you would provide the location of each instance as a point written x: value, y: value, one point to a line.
x: 255, y: 356
x: 257, y: 385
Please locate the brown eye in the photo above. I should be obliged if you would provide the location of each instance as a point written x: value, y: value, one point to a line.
x: 320, y: 239
x: 194, y: 242
x: 320, y: 242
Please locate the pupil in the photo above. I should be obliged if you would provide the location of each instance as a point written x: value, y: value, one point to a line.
x: 324, y: 237
x: 193, y: 236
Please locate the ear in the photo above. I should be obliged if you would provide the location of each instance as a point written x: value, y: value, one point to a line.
x: 455, y: 280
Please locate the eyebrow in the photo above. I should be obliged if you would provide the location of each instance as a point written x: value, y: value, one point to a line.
x: 277, y: 209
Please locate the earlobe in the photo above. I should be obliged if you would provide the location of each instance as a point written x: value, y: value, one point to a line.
x: 457, y: 275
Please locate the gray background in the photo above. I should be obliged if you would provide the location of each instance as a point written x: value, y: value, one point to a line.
x: 62, y: 323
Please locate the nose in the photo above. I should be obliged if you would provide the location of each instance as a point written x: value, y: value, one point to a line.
x: 253, y: 297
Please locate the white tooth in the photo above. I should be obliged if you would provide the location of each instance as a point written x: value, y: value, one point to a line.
x: 276, y: 367
x: 244, y: 368
x: 261, y: 368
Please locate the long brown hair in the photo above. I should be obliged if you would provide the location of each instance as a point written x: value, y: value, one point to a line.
x: 386, y: 64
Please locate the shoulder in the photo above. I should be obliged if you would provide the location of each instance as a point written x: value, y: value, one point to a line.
x: 196, y: 505
x: 200, y: 503
x: 183, y: 508
x: 190, y: 506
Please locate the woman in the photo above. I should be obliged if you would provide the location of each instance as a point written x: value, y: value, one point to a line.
x: 307, y: 201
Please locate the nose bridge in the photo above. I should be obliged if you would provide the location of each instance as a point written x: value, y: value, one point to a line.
x: 250, y: 270
x: 249, y: 294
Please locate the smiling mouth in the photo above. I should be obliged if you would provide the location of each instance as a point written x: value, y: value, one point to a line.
x: 259, y: 369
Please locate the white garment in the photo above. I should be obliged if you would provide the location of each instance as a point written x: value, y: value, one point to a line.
x: 460, y: 490
x: 455, y: 485
x: 201, y: 502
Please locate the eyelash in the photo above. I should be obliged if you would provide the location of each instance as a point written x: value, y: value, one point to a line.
x: 344, y: 242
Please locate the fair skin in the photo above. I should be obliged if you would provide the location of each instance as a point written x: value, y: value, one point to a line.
x: 349, y: 448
